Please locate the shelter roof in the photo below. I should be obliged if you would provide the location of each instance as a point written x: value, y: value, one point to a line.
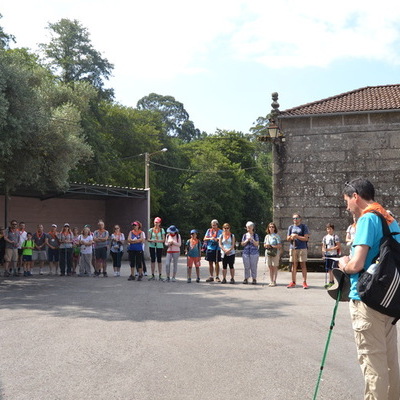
x: 369, y: 98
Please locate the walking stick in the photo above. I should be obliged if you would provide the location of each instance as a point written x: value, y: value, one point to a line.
x: 342, y: 282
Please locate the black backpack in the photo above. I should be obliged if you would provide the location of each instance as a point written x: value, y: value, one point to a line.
x: 381, y: 290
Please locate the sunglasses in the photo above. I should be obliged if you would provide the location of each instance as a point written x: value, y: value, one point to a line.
x: 348, y: 184
x: 296, y: 217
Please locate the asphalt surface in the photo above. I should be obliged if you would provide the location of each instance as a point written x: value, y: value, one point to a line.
x: 109, y: 338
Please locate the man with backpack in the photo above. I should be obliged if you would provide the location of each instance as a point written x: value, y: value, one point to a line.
x: 375, y: 335
x: 298, y: 235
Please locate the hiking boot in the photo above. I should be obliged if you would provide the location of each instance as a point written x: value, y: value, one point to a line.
x: 189, y: 280
x: 223, y: 280
x: 217, y: 279
x: 291, y: 285
x: 305, y: 286
x: 210, y: 279
x: 131, y: 278
x: 197, y: 280
x: 254, y: 282
x: 245, y: 282
x: 232, y: 281
x: 152, y: 278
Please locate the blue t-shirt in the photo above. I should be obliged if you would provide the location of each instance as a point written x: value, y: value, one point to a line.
x: 301, y: 230
x: 211, y: 244
x: 369, y: 232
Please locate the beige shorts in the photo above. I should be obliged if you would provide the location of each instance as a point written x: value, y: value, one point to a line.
x: 299, y: 255
x: 11, y: 255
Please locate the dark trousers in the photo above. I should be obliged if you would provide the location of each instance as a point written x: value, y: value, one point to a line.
x: 117, y: 258
x: 65, y: 261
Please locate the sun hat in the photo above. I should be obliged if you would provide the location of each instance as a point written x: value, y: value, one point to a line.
x: 342, y: 281
x: 172, y: 229
x: 54, y: 226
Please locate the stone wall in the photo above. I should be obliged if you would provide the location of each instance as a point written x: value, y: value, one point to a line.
x: 320, y: 154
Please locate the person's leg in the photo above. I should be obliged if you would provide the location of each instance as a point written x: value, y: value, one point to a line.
x: 246, y: 265
x: 159, y: 261
x: 304, y: 270
x: 224, y: 268
x: 294, y: 265
x: 371, y: 330
x: 131, y: 264
x: 152, y: 251
x: 168, y: 264
x: 175, y: 260
x: 254, y: 266
x: 232, y: 268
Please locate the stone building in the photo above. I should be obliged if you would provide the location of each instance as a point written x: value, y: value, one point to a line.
x: 331, y: 141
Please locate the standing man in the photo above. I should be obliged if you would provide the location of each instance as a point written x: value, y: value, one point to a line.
x: 213, y: 252
x: 375, y: 336
x: 298, y: 235
x: 12, y: 242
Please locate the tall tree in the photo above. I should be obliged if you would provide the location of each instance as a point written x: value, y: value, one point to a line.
x: 71, y: 56
x: 5, y: 38
x: 40, y: 140
x: 175, y: 117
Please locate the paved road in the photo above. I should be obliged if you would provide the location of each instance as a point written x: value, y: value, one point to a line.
x: 107, y: 338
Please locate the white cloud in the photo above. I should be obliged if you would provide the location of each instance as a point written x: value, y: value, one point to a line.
x: 314, y: 33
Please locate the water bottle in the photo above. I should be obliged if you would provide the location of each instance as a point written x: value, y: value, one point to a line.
x: 373, y: 268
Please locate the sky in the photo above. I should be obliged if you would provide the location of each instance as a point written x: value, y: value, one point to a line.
x: 223, y: 58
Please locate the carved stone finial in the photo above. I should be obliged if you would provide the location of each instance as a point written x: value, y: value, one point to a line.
x: 275, y: 105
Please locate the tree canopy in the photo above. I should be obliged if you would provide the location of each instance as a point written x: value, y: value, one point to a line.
x: 72, y: 57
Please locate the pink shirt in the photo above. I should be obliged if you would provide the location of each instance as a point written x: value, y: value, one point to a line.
x: 173, y: 243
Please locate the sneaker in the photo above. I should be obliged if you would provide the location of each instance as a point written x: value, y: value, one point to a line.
x: 291, y: 285
x: 271, y: 284
x: 197, y: 280
x: 140, y: 277
x: 217, y: 279
x: 6, y: 274
x: 305, y: 286
x: 41, y: 272
x: 189, y: 280
x: 115, y: 273
x: 131, y: 278
x: 223, y: 280
x: 210, y: 279
x: 152, y: 278
x: 25, y: 273
x: 30, y: 273
x: 245, y: 282
x: 168, y: 279
x: 232, y: 281
x: 160, y: 278
x: 137, y: 274
x: 145, y: 274
x: 254, y: 282
x: 173, y: 280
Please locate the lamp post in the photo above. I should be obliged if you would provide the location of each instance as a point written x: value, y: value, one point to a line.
x: 147, y: 179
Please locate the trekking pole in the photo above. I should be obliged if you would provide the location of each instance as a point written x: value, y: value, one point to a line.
x: 328, y: 340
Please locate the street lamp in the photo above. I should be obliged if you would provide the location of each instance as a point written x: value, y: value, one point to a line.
x: 274, y: 133
x: 147, y: 179
x: 147, y: 166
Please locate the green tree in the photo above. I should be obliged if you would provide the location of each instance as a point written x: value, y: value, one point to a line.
x: 72, y: 57
x: 40, y: 142
x: 175, y: 117
x: 5, y: 38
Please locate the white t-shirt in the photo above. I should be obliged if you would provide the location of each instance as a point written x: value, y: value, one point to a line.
x: 86, y: 248
x: 331, y: 241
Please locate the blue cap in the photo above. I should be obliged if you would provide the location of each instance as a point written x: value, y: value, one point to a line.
x: 193, y: 231
x: 172, y: 229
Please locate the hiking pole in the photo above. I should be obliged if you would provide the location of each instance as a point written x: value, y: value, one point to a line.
x: 328, y: 339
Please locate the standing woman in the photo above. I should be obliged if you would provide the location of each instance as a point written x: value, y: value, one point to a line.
x: 156, y: 238
x: 76, y: 249
x: 272, y: 244
x: 135, y: 241
x: 173, y: 242
x: 86, y: 247
x: 227, y: 245
x: 250, y: 242
x: 213, y: 253
x: 100, y: 238
x: 117, y: 249
x: 66, y: 251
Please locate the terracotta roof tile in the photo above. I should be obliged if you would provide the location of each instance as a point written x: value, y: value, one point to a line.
x: 365, y: 99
